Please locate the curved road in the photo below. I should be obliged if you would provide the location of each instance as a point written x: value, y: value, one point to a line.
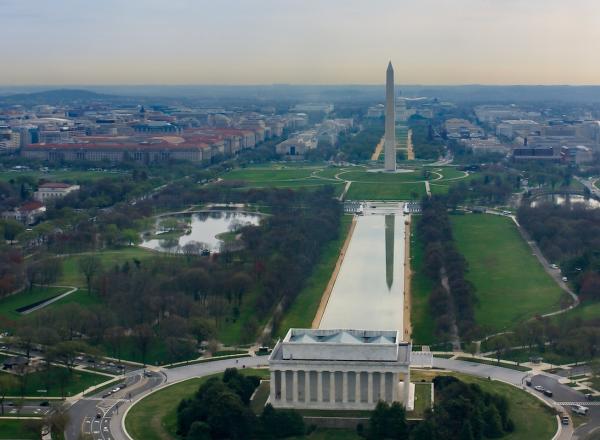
x: 114, y: 408
x: 109, y: 426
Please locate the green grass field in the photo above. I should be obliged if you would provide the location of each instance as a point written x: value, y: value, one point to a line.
x: 61, y: 176
x: 511, y: 284
x: 10, y: 304
x: 377, y: 191
x: 391, y: 179
x: 155, y: 416
x: 533, y: 419
x: 303, y: 309
x: 548, y: 356
x: 72, y: 276
x: 47, y: 384
x: 422, y: 400
x: 16, y: 429
x: 420, y: 285
x: 586, y: 310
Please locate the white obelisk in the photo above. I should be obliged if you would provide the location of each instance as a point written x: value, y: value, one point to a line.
x: 389, y: 143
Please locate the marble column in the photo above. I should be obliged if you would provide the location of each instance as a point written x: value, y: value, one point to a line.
x: 307, y: 386
x: 283, y: 386
x: 382, y: 386
x: 345, y: 387
x: 370, y: 387
x: 357, y: 394
x: 295, y: 386
x: 332, y: 387
x: 395, y: 380
x: 273, y: 391
x: 319, y: 386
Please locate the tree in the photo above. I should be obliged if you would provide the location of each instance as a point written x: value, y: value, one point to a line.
x: 466, y: 432
x: 58, y: 419
x: 143, y: 335
x: 499, y: 345
x: 11, y: 228
x: 198, y: 431
x: 8, y: 382
x: 471, y: 348
x: 493, y: 422
x: 89, y: 266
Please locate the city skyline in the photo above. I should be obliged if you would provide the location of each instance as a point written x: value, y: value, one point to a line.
x: 67, y: 42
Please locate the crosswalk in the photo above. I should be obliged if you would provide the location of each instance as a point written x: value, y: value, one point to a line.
x: 584, y: 403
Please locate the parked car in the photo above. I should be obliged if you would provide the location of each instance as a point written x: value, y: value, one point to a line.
x: 528, y: 381
x: 45, y: 403
x: 548, y: 393
x: 564, y: 420
x: 539, y: 388
x: 554, y: 266
x: 580, y: 409
x: 565, y: 279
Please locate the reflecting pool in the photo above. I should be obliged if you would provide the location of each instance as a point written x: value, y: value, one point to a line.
x: 369, y: 290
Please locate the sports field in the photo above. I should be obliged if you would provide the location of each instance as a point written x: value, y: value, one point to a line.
x: 511, y: 284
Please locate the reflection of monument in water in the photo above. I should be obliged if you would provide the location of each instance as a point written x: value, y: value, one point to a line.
x: 390, y: 225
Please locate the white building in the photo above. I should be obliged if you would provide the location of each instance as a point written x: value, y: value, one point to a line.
x: 517, y: 127
x: 340, y: 369
x: 53, y: 190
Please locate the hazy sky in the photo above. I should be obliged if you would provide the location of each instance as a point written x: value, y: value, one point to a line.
x: 299, y: 41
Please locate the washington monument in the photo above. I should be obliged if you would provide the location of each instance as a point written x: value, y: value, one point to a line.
x: 390, y: 121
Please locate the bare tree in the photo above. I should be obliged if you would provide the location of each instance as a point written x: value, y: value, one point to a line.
x: 89, y: 266
x: 8, y: 382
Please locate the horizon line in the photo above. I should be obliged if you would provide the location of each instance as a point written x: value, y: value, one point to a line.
x: 75, y: 86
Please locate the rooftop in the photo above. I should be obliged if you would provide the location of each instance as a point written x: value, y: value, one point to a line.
x: 342, y: 345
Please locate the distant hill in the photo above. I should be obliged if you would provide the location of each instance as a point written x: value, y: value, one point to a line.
x: 56, y: 97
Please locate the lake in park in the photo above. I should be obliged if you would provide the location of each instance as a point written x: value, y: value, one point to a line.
x: 369, y: 290
x: 201, y: 227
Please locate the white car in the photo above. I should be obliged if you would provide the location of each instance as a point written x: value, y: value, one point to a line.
x: 565, y: 279
x: 580, y: 409
x: 554, y: 266
x: 539, y: 388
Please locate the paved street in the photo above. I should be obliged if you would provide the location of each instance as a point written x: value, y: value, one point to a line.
x: 561, y: 393
x: 84, y: 413
x: 112, y: 409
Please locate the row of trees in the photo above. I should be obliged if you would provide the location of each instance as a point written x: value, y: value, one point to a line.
x: 220, y: 409
x: 425, y: 145
x: 356, y: 147
x: 493, y: 187
x: 568, y: 234
x: 452, y: 299
x: 558, y: 341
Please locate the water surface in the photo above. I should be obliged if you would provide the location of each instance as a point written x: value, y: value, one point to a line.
x: 203, y: 227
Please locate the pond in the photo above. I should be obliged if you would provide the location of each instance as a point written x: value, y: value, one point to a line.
x: 200, y: 227
x: 369, y: 290
x: 561, y: 199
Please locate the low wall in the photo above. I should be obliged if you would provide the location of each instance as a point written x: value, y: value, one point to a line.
x: 336, y: 422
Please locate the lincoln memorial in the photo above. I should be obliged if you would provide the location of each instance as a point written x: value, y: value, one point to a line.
x: 340, y: 369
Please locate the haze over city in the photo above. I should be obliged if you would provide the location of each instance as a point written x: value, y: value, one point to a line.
x: 70, y: 42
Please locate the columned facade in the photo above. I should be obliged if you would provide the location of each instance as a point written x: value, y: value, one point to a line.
x: 302, y: 377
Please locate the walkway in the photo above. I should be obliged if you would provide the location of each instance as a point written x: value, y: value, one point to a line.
x: 51, y: 300
x: 378, y: 150
x: 410, y: 153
